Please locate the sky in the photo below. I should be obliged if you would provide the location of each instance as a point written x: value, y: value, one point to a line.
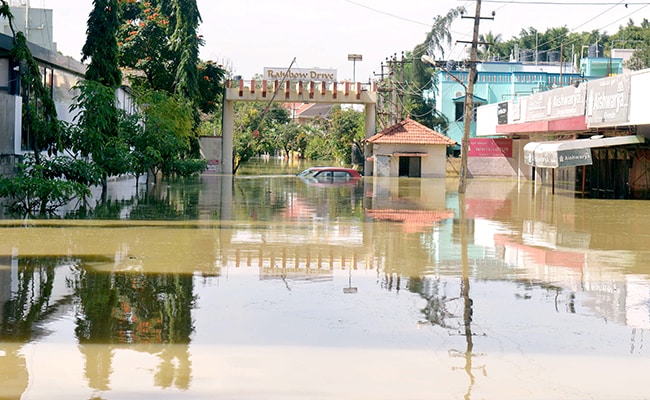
x: 248, y: 35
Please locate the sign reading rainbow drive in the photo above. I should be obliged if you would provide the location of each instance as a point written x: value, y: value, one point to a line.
x: 300, y: 74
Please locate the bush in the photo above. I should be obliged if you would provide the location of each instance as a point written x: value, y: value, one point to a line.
x: 43, y: 189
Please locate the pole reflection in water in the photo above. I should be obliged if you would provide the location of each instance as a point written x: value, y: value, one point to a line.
x: 233, y: 288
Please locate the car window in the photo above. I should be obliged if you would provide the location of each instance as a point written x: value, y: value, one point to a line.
x: 341, y: 174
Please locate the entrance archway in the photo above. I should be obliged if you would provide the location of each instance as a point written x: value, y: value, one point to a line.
x: 292, y: 92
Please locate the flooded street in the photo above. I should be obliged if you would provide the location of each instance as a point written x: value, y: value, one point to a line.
x: 270, y: 287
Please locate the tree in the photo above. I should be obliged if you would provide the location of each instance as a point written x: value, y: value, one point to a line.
x: 487, y: 45
x: 185, y: 43
x: 39, y: 112
x: 286, y: 137
x: 144, y: 45
x: 318, y: 146
x: 98, y: 115
x: 640, y: 59
x: 163, y: 146
x: 347, y: 127
x: 255, y: 130
x: 634, y: 37
x: 211, y: 86
x: 420, y: 74
x: 42, y: 188
x: 160, y: 38
x: 45, y: 179
x: 160, y: 42
x: 96, y: 134
x: 101, y: 44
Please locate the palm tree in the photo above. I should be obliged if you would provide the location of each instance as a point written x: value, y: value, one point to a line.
x: 487, y: 42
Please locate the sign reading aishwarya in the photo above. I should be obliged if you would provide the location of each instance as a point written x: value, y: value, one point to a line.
x: 609, y: 101
x: 566, y: 102
x: 300, y: 74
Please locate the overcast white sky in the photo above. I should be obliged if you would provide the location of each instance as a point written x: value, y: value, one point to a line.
x: 248, y: 35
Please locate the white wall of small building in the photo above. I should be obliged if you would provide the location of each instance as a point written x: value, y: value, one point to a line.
x: 434, y: 164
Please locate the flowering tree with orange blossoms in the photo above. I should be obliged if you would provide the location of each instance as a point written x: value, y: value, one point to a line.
x: 159, y: 43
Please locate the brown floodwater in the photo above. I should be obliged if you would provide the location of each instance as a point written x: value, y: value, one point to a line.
x: 269, y: 287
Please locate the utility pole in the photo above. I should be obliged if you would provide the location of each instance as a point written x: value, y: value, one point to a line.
x: 469, y: 97
x: 390, y: 101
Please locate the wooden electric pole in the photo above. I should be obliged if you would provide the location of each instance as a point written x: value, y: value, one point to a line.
x: 469, y: 98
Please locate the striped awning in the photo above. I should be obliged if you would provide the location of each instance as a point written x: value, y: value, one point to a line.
x: 571, y: 153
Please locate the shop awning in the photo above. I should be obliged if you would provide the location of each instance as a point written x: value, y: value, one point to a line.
x: 571, y: 153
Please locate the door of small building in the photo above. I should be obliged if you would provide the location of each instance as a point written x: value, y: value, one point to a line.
x: 410, y: 166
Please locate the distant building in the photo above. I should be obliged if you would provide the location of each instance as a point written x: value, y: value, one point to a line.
x: 509, y: 82
x: 306, y: 113
x: 36, y: 23
x: 60, y: 75
x: 591, y: 136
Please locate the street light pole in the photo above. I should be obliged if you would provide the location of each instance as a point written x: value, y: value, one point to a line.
x: 354, y: 58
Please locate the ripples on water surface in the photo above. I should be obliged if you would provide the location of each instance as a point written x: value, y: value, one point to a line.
x: 265, y: 287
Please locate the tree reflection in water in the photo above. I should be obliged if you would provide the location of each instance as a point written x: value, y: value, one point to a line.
x: 113, y: 310
x: 127, y: 308
x: 23, y: 316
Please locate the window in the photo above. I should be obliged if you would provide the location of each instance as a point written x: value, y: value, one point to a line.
x: 460, y: 111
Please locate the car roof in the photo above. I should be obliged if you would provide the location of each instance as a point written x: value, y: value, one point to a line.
x: 332, y: 168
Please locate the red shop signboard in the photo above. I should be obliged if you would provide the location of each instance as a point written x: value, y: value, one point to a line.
x: 482, y: 147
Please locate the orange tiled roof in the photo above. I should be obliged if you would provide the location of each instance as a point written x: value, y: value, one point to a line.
x: 413, y: 220
x: 410, y: 132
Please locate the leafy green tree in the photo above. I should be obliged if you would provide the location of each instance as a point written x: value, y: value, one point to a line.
x: 39, y: 117
x: 160, y: 39
x: 144, y: 45
x: 101, y: 44
x: 42, y: 188
x: 96, y: 134
x: 286, y: 137
x: 255, y: 126
x: 164, y: 145
x: 347, y: 127
x: 160, y: 43
x: 635, y: 37
x: 302, y: 140
x: 640, y: 59
x: 211, y: 86
x: 185, y: 42
x: 318, y: 145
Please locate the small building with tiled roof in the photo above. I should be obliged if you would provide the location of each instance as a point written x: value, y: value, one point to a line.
x: 306, y: 113
x: 409, y: 149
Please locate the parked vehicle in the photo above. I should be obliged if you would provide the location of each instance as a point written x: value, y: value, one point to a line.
x: 330, y: 175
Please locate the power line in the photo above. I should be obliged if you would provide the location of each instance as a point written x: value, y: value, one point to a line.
x: 387, y: 13
x: 565, y: 3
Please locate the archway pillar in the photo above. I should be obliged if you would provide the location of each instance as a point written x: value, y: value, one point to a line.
x: 227, y: 163
x: 371, y: 128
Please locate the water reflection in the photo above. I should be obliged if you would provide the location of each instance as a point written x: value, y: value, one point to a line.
x: 391, y: 287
